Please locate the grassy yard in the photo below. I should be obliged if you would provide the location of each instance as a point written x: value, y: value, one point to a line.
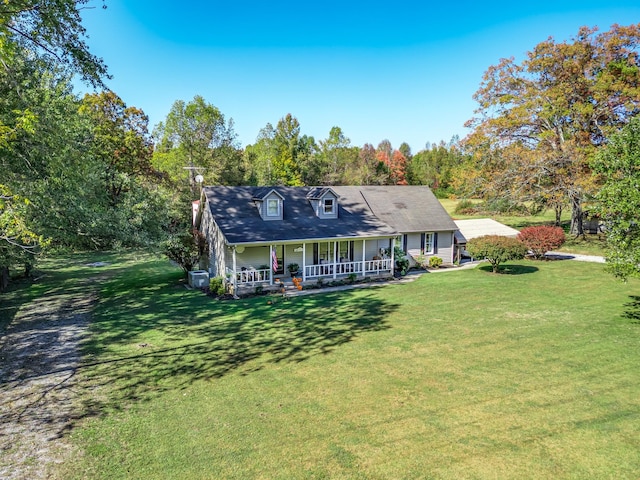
x: 531, y: 374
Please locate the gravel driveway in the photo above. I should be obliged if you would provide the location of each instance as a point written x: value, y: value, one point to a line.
x: 39, y: 357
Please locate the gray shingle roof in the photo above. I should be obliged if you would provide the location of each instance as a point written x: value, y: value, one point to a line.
x: 234, y: 211
x: 406, y: 208
x: 363, y: 212
x: 318, y: 192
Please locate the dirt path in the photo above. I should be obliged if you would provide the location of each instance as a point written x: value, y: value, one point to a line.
x: 39, y: 356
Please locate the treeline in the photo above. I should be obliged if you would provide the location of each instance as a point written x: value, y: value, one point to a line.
x: 196, y: 139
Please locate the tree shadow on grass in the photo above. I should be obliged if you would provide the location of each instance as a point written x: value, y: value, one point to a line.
x: 511, y: 269
x: 210, y: 339
x: 632, y: 311
x: 150, y: 335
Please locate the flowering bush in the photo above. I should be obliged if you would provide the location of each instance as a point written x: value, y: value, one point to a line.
x: 541, y: 239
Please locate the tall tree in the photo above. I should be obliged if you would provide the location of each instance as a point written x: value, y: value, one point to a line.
x: 435, y: 165
x: 193, y: 136
x: 398, y: 168
x: 539, y: 121
x: 619, y: 199
x: 332, y: 159
x: 121, y: 141
x: 405, y: 149
x: 370, y: 167
x: 259, y: 157
x: 286, y: 168
x: 383, y: 155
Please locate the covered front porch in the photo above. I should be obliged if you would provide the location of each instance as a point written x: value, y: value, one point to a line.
x: 253, y: 265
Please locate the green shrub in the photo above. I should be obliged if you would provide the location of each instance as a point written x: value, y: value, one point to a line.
x: 435, y: 262
x: 402, y: 262
x: 185, y: 249
x: 504, y: 206
x: 216, y: 286
x: 465, y: 207
x: 421, y: 261
x: 496, y: 249
x: 542, y: 238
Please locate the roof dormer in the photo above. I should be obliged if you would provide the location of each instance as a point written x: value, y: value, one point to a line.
x: 270, y: 204
x: 324, y: 202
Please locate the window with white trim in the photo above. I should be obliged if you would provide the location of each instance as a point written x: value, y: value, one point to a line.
x: 428, y: 244
x: 273, y: 207
x: 329, y: 205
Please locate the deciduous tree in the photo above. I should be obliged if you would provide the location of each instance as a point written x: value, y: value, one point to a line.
x: 496, y: 249
x: 286, y: 167
x: 121, y: 141
x: 194, y: 135
x: 539, y: 121
x: 619, y: 199
x: 52, y: 29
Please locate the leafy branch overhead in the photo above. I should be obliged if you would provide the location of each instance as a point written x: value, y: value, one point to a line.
x: 53, y: 29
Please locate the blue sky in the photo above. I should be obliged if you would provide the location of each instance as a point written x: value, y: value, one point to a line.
x: 404, y: 71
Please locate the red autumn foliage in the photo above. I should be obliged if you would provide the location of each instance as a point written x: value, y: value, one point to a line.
x: 541, y: 239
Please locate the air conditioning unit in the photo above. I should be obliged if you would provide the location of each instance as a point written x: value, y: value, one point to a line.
x: 199, y: 278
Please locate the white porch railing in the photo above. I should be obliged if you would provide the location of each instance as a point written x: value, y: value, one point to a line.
x: 368, y: 267
x: 346, y: 268
x: 249, y: 276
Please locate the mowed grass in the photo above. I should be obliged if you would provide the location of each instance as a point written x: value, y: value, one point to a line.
x: 461, y: 374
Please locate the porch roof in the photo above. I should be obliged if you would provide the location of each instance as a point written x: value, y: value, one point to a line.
x: 238, y: 218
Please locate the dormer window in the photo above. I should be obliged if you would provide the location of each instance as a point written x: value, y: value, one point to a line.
x: 329, y: 206
x: 269, y: 203
x: 273, y: 207
x: 324, y: 202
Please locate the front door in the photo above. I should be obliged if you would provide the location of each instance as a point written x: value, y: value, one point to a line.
x: 280, y: 257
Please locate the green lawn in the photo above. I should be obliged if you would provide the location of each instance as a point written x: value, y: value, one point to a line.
x: 532, y: 374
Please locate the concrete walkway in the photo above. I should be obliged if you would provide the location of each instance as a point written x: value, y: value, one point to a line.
x: 575, y: 256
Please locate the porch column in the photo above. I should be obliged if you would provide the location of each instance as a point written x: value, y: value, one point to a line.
x: 393, y: 251
x: 270, y: 262
x: 453, y: 246
x: 235, y: 277
x: 364, y: 256
x: 335, y: 259
x: 304, y: 262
